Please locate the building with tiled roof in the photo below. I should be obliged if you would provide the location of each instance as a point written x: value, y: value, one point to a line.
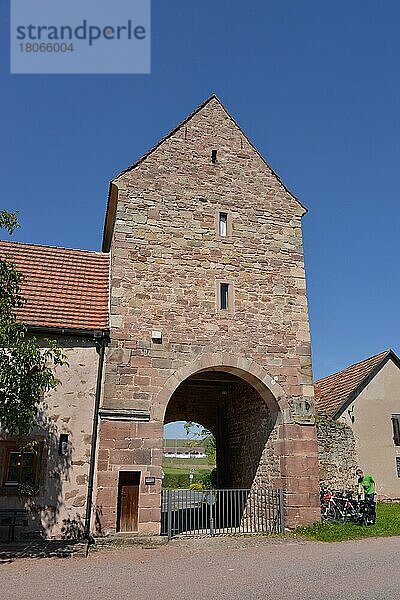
x: 359, y: 423
x: 65, y: 294
x: 333, y: 392
x: 63, y: 289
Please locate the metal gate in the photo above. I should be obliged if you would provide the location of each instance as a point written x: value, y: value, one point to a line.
x: 218, y: 512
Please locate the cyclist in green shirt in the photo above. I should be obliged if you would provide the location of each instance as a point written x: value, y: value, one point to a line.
x: 366, y: 484
x: 366, y: 487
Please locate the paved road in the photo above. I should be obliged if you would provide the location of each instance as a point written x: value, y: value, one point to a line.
x: 216, y: 569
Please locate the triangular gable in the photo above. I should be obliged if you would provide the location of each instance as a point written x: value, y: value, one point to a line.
x: 113, y: 191
x: 334, y: 393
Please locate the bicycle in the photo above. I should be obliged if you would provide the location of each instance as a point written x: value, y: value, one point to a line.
x: 366, y: 511
x: 342, y: 507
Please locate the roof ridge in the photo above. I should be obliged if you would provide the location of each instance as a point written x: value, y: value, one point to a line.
x: 383, y: 354
x: 32, y: 245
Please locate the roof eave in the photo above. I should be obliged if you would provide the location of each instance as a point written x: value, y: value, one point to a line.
x: 72, y: 331
x: 110, y: 216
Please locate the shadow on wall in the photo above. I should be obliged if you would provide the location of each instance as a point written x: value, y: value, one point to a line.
x: 40, y: 500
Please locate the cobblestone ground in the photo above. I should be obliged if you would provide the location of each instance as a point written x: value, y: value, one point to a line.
x: 219, y: 568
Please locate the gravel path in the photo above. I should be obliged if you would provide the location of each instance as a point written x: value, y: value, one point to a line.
x: 219, y: 568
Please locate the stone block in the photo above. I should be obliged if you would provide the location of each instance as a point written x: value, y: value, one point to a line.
x: 142, y: 457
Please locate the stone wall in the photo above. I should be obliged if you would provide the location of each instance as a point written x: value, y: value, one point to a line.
x: 337, y: 454
x: 128, y: 446
x: 167, y: 260
x: 250, y: 424
x: 58, y: 510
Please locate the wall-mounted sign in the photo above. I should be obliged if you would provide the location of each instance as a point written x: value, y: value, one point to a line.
x: 150, y: 480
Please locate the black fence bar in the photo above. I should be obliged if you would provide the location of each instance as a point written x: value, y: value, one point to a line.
x: 219, y: 512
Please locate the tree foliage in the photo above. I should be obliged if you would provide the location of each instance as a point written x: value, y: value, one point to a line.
x: 204, y: 437
x: 26, y: 368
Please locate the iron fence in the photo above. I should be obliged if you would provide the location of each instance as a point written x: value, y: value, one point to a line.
x: 219, y: 512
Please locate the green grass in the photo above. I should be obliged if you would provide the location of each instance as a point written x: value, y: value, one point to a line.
x: 387, y: 524
x: 185, y: 463
x: 176, y: 472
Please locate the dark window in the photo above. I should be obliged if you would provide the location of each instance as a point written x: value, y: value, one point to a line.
x: 63, y: 444
x: 396, y: 429
x: 213, y: 156
x: 20, y: 467
x: 398, y: 465
x: 224, y: 296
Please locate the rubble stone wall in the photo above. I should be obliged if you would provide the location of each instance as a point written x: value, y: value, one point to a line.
x: 58, y: 508
x: 337, y: 454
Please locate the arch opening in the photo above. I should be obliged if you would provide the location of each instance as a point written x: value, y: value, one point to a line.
x: 189, y: 456
x: 243, y: 415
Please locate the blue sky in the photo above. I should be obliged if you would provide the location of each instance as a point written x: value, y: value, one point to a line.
x: 316, y: 87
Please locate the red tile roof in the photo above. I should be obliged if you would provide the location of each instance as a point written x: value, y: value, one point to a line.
x: 332, y: 392
x: 63, y: 288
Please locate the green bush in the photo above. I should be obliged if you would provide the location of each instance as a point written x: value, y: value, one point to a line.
x: 209, y: 480
x: 196, y: 486
x: 174, y: 481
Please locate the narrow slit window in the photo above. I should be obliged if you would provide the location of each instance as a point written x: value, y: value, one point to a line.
x: 224, y: 296
x: 223, y: 224
x: 396, y: 429
x: 213, y: 156
x: 63, y: 444
x: 398, y: 465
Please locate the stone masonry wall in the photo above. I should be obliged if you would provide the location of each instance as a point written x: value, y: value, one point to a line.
x: 167, y: 261
x: 59, y: 507
x: 250, y: 424
x: 337, y: 454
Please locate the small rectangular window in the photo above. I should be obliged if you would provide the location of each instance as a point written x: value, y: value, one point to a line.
x: 223, y: 224
x: 398, y: 465
x: 396, y: 429
x: 63, y: 444
x: 224, y: 296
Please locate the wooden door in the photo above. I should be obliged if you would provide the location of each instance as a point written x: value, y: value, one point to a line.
x: 128, y: 500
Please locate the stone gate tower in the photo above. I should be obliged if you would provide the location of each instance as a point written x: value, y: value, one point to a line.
x: 209, y: 322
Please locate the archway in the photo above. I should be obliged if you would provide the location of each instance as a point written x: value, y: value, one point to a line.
x: 243, y: 419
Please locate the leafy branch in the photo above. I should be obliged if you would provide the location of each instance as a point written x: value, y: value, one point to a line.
x: 26, y: 366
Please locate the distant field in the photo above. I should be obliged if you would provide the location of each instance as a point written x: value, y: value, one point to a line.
x: 176, y: 471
